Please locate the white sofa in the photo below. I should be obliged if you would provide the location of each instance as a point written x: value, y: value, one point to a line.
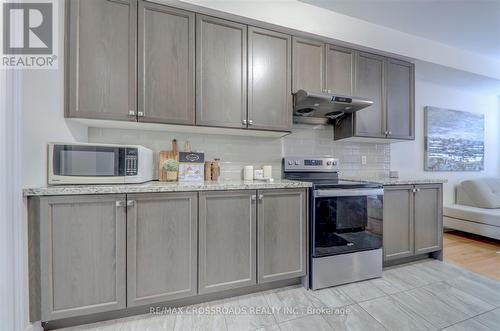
x: 477, y: 208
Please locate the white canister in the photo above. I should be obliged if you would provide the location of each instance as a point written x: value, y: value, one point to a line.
x: 248, y: 172
x: 268, y: 171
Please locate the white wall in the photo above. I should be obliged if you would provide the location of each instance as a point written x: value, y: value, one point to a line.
x: 43, y: 116
x: 408, y: 157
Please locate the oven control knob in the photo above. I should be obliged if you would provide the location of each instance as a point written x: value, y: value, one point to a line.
x: 297, y: 162
x: 290, y: 162
x: 329, y: 163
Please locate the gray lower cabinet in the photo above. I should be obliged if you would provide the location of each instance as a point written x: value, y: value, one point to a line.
x: 269, y: 81
x: 339, y: 72
x: 400, y: 108
x: 227, y: 239
x: 102, y: 59
x: 369, y: 83
x: 428, y: 218
x: 413, y: 220
x: 166, y: 58
x: 308, y: 58
x: 82, y: 255
x: 399, y: 229
x: 162, y: 242
x: 221, y: 72
x: 281, y: 234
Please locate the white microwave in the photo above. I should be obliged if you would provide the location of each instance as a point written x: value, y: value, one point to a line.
x: 98, y: 164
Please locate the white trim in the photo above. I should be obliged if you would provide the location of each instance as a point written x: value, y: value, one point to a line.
x: 13, y: 274
x: 14, y: 302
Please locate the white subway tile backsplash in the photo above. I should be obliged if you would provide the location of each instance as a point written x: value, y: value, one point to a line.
x: 237, y: 151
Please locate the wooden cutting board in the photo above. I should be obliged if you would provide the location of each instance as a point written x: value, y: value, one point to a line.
x: 165, y: 155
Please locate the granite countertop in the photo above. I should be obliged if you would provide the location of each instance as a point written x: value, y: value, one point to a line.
x: 396, y: 181
x: 156, y: 186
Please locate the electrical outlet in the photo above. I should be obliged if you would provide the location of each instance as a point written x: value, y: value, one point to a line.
x: 363, y: 159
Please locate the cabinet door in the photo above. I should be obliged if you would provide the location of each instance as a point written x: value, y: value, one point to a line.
x: 82, y: 255
x: 102, y: 59
x: 400, y: 99
x: 221, y: 72
x: 282, y: 234
x: 339, y: 70
x: 398, y: 222
x: 166, y: 64
x: 269, y: 81
x: 308, y: 65
x: 227, y: 240
x: 162, y: 238
x: 369, y: 83
x: 428, y: 218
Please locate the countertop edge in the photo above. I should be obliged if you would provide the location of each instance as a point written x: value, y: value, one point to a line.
x: 398, y: 181
x: 160, y: 187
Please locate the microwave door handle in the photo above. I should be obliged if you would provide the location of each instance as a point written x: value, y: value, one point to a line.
x: 348, y: 192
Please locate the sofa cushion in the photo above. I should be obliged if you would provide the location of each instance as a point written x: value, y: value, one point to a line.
x: 473, y: 214
x: 483, y: 193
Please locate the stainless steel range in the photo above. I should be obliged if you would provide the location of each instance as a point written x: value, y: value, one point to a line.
x: 345, y: 222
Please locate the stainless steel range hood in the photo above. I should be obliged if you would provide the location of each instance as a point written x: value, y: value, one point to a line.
x: 323, y: 108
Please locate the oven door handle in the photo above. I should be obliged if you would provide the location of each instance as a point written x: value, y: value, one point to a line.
x: 348, y: 192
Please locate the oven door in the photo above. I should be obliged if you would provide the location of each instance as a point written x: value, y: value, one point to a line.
x: 347, y: 220
x: 86, y: 164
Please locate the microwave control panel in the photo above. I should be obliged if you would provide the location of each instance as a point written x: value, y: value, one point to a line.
x: 131, y: 162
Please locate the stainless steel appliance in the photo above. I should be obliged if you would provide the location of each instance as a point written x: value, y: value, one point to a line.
x: 98, y: 164
x: 346, y: 219
x: 322, y: 107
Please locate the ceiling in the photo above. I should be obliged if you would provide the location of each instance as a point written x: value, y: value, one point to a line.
x: 472, y: 25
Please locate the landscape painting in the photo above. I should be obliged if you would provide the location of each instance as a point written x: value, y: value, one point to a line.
x: 454, y: 140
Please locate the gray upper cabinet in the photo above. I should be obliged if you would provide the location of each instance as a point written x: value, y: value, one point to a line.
x: 227, y: 239
x: 398, y: 222
x: 369, y: 83
x: 282, y: 234
x: 308, y: 58
x: 166, y: 64
x: 102, y: 59
x: 221, y: 72
x: 400, y: 99
x: 428, y: 218
x: 82, y: 252
x: 162, y: 237
x: 339, y: 73
x: 269, y: 81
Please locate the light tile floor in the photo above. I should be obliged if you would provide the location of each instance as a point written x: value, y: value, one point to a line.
x: 426, y: 295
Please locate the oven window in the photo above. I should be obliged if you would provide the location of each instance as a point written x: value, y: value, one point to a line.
x: 347, y: 224
x: 87, y: 161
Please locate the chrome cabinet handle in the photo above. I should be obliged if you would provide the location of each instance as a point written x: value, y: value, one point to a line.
x: 130, y: 203
x: 120, y: 203
x: 253, y: 197
x: 389, y: 133
x: 261, y: 196
x: 244, y: 122
x: 131, y: 113
x: 250, y: 122
x: 140, y: 114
